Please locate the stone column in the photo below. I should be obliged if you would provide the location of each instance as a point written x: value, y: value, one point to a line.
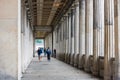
x: 76, y: 33
x: 63, y: 43
x: 66, y: 25
x: 97, y: 31
x: 69, y: 31
x: 117, y: 39
x: 72, y: 34
x: 64, y: 36
x: 34, y: 44
x: 88, y: 33
x: 109, y: 37
x: 69, y: 36
x: 70, y: 39
x: 81, y: 31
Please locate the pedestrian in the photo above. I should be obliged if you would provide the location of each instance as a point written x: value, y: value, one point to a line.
x: 48, y: 53
x: 39, y: 53
x: 54, y: 53
x: 44, y: 51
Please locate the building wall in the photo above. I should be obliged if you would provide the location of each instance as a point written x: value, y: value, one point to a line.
x: 27, y: 47
x: 26, y: 41
x: 16, y: 46
x: 48, y: 41
x: 8, y: 39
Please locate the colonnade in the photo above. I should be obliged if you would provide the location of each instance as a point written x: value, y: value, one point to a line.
x: 91, y: 27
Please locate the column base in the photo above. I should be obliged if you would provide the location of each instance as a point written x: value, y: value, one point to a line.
x: 68, y: 62
x: 80, y: 67
x: 71, y: 63
x: 87, y: 69
x: 117, y: 78
x: 66, y: 57
x: 75, y: 65
x: 95, y: 73
x: 107, y: 78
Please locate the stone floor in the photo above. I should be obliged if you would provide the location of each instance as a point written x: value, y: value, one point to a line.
x: 54, y: 70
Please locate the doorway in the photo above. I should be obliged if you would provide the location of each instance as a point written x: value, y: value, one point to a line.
x: 39, y: 43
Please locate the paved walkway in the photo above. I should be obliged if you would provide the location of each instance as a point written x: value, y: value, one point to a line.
x: 54, y: 70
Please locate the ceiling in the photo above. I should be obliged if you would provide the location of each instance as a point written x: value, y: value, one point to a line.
x: 44, y: 14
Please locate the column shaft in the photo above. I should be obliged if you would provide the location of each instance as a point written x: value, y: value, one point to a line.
x: 69, y: 32
x: 88, y: 33
x: 117, y: 38
x: 109, y: 37
x: 72, y: 29
x: 34, y: 44
x: 82, y: 31
x: 72, y: 35
x: 77, y: 30
x: 66, y: 25
x: 97, y: 32
x: 69, y: 39
x: 76, y: 35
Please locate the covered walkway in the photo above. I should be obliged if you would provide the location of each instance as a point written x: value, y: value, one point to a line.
x: 82, y: 33
x: 54, y: 70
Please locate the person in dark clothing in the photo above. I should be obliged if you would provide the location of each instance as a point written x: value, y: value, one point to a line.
x: 48, y: 53
x: 39, y: 51
x: 54, y: 53
x: 45, y: 52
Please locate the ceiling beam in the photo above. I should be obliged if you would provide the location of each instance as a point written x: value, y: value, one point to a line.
x: 39, y: 7
x: 30, y: 8
x: 48, y: 2
x: 39, y: 37
x: 43, y: 28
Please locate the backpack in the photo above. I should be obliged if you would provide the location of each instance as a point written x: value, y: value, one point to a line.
x: 48, y: 51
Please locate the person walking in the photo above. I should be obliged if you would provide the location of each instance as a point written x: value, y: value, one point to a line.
x: 39, y: 53
x: 48, y: 53
x: 54, y: 53
x: 44, y: 51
